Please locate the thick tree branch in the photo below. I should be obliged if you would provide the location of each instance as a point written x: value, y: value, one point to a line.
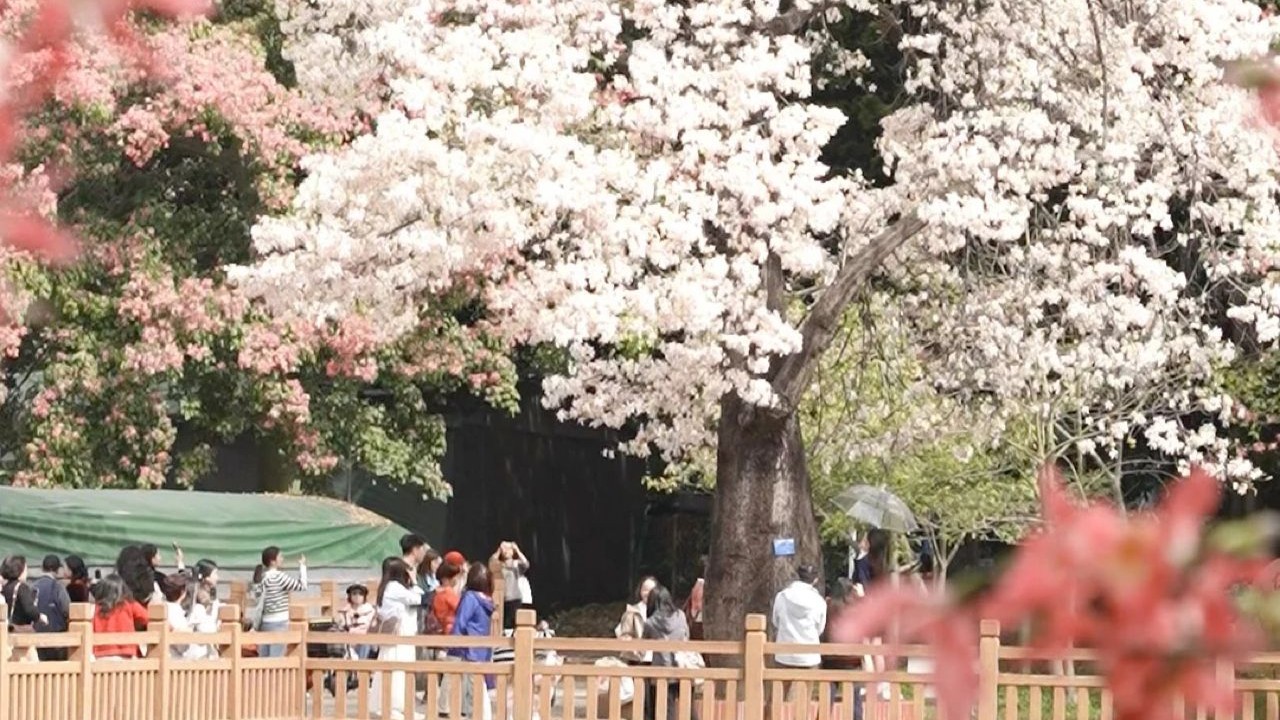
x: 789, y: 22
x: 819, y: 328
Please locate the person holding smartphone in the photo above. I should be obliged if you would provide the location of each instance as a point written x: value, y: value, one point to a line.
x: 516, y: 590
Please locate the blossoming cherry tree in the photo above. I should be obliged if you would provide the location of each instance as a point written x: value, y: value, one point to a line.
x: 641, y: 185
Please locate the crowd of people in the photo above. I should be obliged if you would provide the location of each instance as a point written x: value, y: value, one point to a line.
x: 799, y: 617
x: 423, y: 592
x: 420, y: 592
x: 119, y: 599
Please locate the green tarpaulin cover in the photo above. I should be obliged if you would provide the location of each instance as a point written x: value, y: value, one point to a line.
x: 230, y: 529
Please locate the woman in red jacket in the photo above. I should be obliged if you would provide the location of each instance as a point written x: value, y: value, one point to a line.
x: 116, y: 612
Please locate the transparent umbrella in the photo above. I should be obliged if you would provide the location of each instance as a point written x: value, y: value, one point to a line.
x: 877, y: 507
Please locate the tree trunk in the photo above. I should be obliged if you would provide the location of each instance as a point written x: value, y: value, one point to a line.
x: 277, y: 475
x: 762, y: 494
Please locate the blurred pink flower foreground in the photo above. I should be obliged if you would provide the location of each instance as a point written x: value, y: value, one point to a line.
x: 32, y: 65
x: 1147, y: 592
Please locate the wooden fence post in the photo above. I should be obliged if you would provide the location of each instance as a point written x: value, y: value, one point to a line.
x: 329, y: 595
x: 522, y: 669
x: 231, y: 614
x: 499, y: 581
x: 989, y: 670
x: 298, y: 623
x: 237, y: 592
x: 158, y: 620
x: 81, y: 623
x: 752, y: 669
x: 1227, y: 678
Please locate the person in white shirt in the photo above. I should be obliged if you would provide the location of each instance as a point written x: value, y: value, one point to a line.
x: 799, y: 617
x: 399, y: 598
x: 174, y: 589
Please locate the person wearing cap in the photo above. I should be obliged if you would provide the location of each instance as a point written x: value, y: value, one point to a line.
x: 53, y: 602
x: 444, y: 606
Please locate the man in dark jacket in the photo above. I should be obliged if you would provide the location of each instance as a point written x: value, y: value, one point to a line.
x: 54, y: 604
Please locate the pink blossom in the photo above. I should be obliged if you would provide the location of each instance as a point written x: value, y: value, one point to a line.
x: 265, y: 350
x: 43, y: 402
x: 1145, y: 592
x: 44, y: 31
x: 142, y: 134
x: 353, y: 344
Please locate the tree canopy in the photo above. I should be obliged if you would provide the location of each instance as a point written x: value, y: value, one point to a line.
x: 107, y: 359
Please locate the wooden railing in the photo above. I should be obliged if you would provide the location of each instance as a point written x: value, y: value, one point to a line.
x: 744, y: 681
x: 321, y: 599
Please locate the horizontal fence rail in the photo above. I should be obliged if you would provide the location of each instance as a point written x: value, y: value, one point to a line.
x: 530, y: 677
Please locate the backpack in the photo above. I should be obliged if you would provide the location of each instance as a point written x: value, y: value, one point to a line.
x: 46, y: 589
x: 428, y: 623
x: 431, y: 625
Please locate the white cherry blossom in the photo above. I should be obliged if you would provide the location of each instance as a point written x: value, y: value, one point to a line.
x: 646, y: 174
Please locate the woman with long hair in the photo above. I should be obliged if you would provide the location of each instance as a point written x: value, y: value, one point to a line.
x: 175, y: 589
x: 665, y: 621
x: 17, y: 593
x: 20, y: 599
x: 78, y: 579
x: 631, y: 626
x: 116, y: 611
x: 202, y: 597
x: 205, y: 573
x: 399, y: 598
x: 152, y: 555
x: 431, y: 563
x: 134, y: 568
x: 878, y: 549
x: 475, y: 612
x: 843, y: 597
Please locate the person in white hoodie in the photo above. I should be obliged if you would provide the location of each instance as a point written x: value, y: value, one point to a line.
x: 799, y: 617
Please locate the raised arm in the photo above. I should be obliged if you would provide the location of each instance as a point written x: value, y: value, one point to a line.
x: 410, y: 596
x: 299, y: 583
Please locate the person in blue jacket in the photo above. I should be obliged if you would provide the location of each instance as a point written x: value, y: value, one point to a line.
x: 475, y: 611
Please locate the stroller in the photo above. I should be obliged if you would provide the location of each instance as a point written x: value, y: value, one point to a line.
x: 346, y: 651
x: 548, y: 659
x: 341, y: 651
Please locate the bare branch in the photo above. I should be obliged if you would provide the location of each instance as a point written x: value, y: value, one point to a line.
x: 791, y: 21
x: 818, y: 329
